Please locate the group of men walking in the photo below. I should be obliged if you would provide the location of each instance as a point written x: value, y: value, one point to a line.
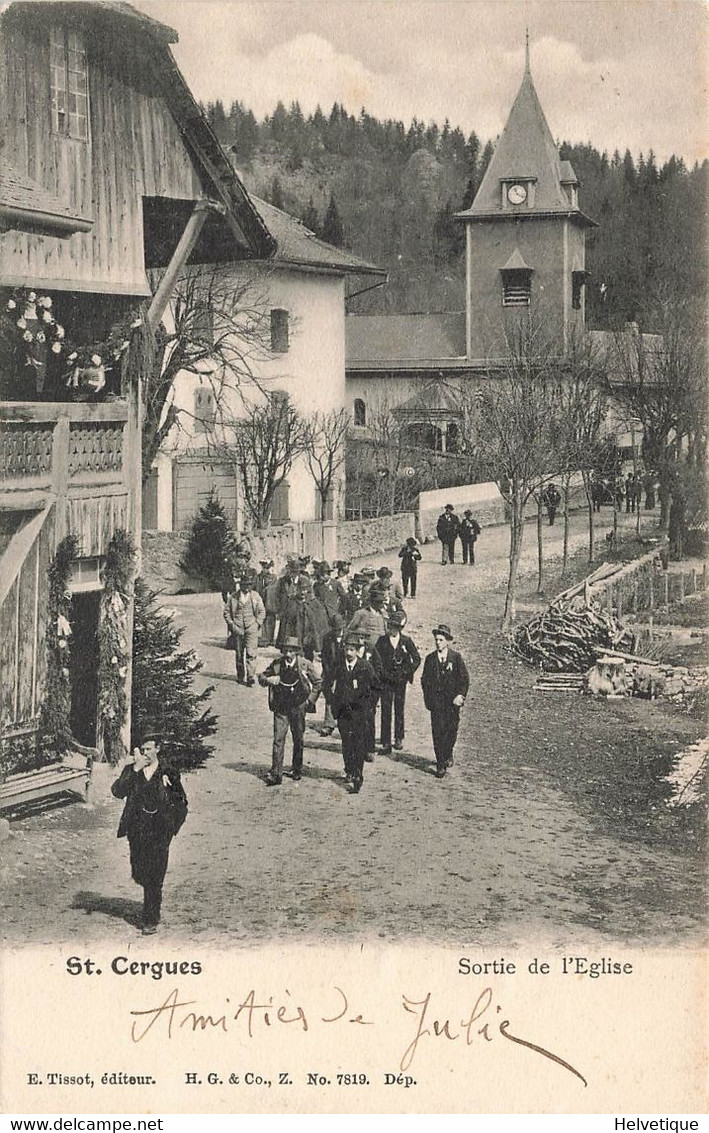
x: 345, y: 642
x: 450, y: 528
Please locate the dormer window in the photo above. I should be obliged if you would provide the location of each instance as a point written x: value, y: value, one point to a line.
x: 68, y: 83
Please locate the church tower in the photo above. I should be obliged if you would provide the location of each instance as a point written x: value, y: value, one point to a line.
x: 525, y: 234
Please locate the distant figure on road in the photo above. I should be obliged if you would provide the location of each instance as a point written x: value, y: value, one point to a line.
x: 293, y: 685
x: 447, y: 529
x: 156, y: 807
x: 469, y: 531
x: 410, y: 558
x: 445, y: 684
x: 551, y: 498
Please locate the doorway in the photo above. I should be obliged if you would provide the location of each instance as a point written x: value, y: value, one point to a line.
x: 84, y: 665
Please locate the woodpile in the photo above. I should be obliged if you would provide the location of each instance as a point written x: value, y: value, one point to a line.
x: 568, y: 635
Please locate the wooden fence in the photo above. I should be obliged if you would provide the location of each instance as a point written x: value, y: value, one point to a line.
x: 646, y: 585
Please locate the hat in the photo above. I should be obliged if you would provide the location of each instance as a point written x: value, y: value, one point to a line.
x: 376, y: 594
x: 411, y: 541
x: 384, y: 572
x: 342, y: 564
x: 291, y: 643
x: 467, y: 512
x: 354, y: 639
x: 150, y: 731
x: 266, y: 562
x: 444, y: 629
x: 449, y: 507
x: 368, y: 571
x: 359, y: 579
x: 396, y: 617
x: 323, y: 567
x: 248, y: 578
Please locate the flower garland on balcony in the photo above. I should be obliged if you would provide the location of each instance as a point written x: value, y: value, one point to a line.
x: 56, y: 710
x: 30, y: 332
x: 114, y: 638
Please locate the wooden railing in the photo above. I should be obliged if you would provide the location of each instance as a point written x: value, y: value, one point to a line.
x: 46, y: 447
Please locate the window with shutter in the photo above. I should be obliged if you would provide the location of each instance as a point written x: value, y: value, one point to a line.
x: 516, y: 288
x: 279, y: 330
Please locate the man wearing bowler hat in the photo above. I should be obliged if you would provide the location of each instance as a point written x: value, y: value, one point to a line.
x: 154, y: 811
x: 352, y: 691
x: 447, y: 529
x: 293, y: 685
x: 445, y: 684
x: 399, y: 659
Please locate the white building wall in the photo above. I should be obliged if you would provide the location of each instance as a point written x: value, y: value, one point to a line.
x: 311, y: 372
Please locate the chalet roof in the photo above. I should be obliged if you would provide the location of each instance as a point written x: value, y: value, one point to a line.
x: 117, y: 9
x: 27, y: 205
x: 297, y: 245
x: 397, y: 341
x: 526, y: 151
x: 220, y: 180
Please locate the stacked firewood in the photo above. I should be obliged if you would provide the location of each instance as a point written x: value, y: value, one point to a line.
x: 566, y: 637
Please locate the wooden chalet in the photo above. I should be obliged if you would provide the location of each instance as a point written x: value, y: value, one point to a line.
x: 107, y: 170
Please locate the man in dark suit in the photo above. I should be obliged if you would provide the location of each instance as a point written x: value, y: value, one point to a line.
x: 445, y: 684
x: 447, y: 529
x: 156, y: 807
x: 351, y: 704
x: 399, y: 659
x: 469, y: 531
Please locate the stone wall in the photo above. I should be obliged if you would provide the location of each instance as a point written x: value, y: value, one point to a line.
x: 163, y: 550
x: 359, y: 538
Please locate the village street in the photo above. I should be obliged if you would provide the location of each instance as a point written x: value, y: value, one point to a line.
x: 529, y: 838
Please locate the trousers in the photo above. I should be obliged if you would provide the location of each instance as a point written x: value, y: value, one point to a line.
x: 354, y: 744
x: 392, y: 696
x: 448, y: 551
x: 282, y: 723
x: 408, y: 579
x: 444, y: 731
x: 468, y: 548
x: 246, y: 653
x: 148, y: 865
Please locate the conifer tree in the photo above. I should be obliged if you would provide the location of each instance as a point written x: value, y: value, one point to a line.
x: 212, y: 544
x: 163, y: 696
x: 332, y: 230
x: 311, y: 219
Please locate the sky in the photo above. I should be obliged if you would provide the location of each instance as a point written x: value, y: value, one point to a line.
x: 616, y: 73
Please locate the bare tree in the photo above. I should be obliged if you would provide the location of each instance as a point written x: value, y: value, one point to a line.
x: 660, y: 380
x: 220, y: 332
x: 583, y: 408
x: 324, y: 439
x: 262, y: 445
x: 517, y: 430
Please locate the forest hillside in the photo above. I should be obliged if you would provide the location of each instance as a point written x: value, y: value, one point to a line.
x: 389, y: 193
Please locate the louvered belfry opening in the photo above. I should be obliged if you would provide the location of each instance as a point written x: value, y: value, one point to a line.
x: 516, y: 287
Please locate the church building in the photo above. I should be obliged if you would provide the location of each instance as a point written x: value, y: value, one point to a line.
x: 525, y: 250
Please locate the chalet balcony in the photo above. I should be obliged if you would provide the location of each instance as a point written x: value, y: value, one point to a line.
x: 57, y: 448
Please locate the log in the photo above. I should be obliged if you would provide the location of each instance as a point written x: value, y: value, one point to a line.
x: 601, y: 652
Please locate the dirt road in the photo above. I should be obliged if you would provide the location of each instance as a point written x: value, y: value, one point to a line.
x: 551, y: 827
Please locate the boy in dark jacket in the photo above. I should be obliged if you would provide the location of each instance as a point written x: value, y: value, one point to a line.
x: 399, y: 659
x: 469, y: 531
x: 410, y: 558
x: 351, y: 703
x: 156, y: 807
x: 445, y: 685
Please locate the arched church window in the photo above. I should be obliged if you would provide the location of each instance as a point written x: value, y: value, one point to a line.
x: 360, y: 412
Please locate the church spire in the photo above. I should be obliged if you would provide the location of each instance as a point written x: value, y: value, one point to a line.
x: 527, y: 68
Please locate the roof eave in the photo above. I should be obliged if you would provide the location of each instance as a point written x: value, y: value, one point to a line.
x: 529, y: 214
